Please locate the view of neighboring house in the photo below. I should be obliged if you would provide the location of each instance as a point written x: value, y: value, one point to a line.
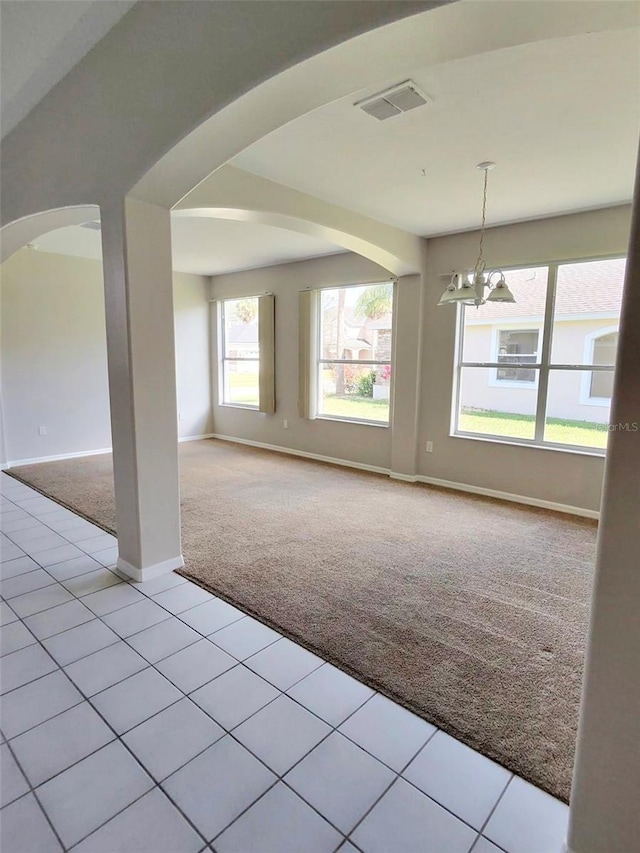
x: 585, y: 332
x: 354, y: 358
x: 369, y: 340
x: 243, y: 339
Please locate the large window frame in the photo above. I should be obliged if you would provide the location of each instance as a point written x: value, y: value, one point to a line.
x: 319, y: 362
x: 543, y: 366
x: 226, y: 360
x: 265, y: 360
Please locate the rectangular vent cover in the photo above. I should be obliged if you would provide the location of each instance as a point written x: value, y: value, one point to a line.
x: 92, y: 226
x: 399, y: 99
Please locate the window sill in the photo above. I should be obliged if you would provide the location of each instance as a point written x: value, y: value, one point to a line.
x: 513, y: 442
x: 240, y: 406
x: 508, y: 383
x: 351, y: 421
x: 600, y: 402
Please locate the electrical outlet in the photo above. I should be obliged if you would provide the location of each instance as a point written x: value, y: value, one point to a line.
x: 42, y: 430
x: 429, y: 447
x: 285, y: 424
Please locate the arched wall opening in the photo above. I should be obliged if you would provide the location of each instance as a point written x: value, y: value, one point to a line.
x: 176, y: 173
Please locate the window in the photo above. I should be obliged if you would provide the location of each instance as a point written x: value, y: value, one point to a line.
x: 353, y: 364
x: 517, y: 347
x: 603, y: 351
x: 246, y: 329
x: 540, y: 370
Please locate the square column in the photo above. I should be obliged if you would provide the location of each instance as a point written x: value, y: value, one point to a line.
x: 407, y: 377
x: 605, y: 814
x: 136, y: 244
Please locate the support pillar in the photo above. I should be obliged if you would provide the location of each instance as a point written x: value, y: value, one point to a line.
x: 136, y: 242
x: 605, y: 801
x: 407, y: 378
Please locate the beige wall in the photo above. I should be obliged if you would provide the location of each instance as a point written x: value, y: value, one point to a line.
x: 191, y: 294
x: 560, y: 477
x: 54, y: 363
x: 549, y: 475
x: 369, y: 445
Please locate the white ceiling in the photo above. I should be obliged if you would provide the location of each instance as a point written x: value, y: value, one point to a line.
x: 204, y: 246
x: 40, y: 41
x: 560, y: 118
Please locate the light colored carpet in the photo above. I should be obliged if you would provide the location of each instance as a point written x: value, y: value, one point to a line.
x: 471, y: 612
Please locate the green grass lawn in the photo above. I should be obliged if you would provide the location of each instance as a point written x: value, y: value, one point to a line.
x: 583, y: 433
x: 360, y: 408
x: 243, y: 388
x: 243, y: 380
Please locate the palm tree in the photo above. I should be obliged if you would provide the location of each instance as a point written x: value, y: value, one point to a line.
x: 376, y: 301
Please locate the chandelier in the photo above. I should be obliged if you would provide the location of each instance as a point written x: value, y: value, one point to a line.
x: 478, y: 287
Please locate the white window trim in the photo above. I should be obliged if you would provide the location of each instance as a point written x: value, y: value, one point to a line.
x: 585, y: 379
x: 544, y: 368
x: 316, y: 361
x: 494, y: 382
x: 222, y: 358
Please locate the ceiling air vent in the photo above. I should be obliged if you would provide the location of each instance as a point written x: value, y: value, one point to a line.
x: 399, y: 99
x: 94, y: 225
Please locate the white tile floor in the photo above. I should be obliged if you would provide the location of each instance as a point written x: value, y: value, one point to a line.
x: 156, y: 717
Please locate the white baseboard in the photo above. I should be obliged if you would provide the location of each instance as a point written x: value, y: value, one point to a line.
x: 13, y: 463
x: 346, y: 463
x: 149, y: 572
x: 419, y: 478
x: 290, y: 451
x: 508, y: 496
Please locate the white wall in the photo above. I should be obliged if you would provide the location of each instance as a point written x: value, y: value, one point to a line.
x: 54, y: 362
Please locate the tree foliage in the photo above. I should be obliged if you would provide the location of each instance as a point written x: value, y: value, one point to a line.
x: 376, y: 301
x: 246, y: 310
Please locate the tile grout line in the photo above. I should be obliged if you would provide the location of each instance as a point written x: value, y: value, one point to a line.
x: 227, y: 733
x: 187, y: 696
x: 493, y: 810
x: 239, y: 662
x: 118, y: 737
x: 35, y: 796
x: 398, y: 775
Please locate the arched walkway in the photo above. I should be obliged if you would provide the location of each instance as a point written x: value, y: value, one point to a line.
x: 212, y: 82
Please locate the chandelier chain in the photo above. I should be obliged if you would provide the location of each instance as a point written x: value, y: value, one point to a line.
x: 480, y: 261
